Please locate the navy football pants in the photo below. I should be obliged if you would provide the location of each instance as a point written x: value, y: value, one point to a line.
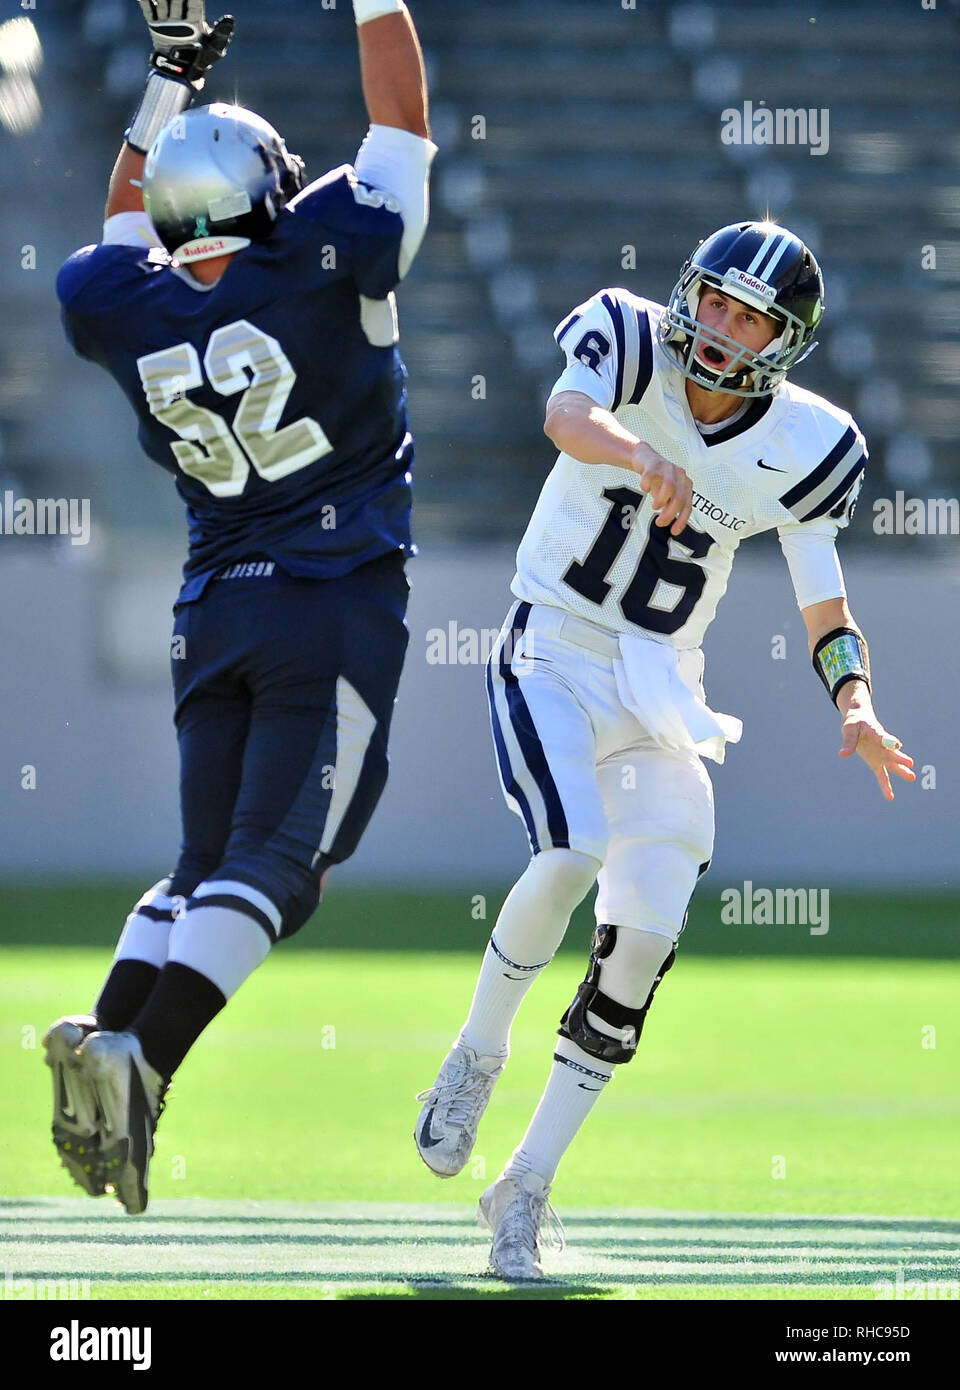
x: 284, y: 695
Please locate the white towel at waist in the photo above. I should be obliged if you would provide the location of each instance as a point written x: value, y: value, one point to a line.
x: 674, y: 714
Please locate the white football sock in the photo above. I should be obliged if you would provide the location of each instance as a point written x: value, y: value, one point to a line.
x: 530, y: 927
x: 221, y: 943
x: 146, y: 932
x: 575, y: 1082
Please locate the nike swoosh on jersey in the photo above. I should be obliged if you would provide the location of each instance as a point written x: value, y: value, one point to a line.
x: 770, y: 467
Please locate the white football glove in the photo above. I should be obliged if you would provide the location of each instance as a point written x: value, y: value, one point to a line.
x: 174, y: 23
x: 184, y: 44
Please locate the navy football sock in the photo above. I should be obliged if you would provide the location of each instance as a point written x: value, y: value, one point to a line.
x: 181, y: 1005
x: 127, y: 988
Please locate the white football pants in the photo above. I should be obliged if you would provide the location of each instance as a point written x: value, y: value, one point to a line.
x: 583, y: 773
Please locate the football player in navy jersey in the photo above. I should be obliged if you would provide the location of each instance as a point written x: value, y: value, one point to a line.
x: 250, y: 322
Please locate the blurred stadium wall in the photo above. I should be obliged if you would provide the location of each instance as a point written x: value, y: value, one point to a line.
x: 86, y: 702
x: 580, y: 147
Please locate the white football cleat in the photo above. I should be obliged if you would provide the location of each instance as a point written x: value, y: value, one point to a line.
x: 452, y: 1109
x: 130, y: 1096
x: 515, y: 1209
x: 76, y: 1118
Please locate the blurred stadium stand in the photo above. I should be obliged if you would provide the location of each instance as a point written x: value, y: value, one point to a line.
x: 600, y: 131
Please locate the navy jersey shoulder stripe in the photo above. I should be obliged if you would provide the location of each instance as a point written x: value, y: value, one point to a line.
x: 840, y: 491
x: 823, y: 470
x: 805, y: 497
x: 613, y: 308
x: 565, y: 327
x: 645, y: 358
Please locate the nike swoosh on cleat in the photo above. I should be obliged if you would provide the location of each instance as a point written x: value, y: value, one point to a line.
x: 769, y: 467
x: 427, y: 1140
x: 66, y: 1109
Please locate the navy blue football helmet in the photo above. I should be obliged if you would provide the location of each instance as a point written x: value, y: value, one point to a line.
x: 766, y: 267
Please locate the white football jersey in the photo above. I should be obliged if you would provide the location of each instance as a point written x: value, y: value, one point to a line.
x: 791, y: 461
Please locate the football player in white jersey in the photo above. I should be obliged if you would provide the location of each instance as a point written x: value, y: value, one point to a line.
x: 679, y: 437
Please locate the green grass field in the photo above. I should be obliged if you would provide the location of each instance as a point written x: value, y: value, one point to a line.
x: 785, y: 1131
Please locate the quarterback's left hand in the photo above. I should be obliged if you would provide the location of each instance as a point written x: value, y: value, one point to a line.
x: 863, y: 733
x: 184, y: 44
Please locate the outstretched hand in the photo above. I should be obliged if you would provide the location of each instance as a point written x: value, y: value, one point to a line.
x: 184, y: 44
x: 863, y: 733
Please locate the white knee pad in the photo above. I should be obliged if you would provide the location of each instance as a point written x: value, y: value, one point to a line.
x: 537, y: 912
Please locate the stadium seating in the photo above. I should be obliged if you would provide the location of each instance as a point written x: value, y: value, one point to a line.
x: 574, y: 143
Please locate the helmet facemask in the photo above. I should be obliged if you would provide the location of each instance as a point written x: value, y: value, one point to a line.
x: 750, y: 372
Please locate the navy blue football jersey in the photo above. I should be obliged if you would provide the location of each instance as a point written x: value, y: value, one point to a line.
x: 284, y: 425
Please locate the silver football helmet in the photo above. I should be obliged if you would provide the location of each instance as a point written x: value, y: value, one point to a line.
x: 215, y: 179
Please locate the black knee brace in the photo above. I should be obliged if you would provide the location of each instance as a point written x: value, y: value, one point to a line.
x: 574, y: 1023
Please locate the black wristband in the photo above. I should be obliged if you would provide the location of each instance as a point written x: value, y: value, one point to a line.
x: 841, y: 656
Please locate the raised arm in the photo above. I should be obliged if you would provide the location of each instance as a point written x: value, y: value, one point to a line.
x: 125, y: 193
x: 184, y: 48
x: 391, y: 64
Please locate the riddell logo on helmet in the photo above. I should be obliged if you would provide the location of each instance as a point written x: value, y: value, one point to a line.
x: 202, y: 248
x: 749, y: 282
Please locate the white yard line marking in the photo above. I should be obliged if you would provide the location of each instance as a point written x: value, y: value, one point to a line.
x: 372, y: 1243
